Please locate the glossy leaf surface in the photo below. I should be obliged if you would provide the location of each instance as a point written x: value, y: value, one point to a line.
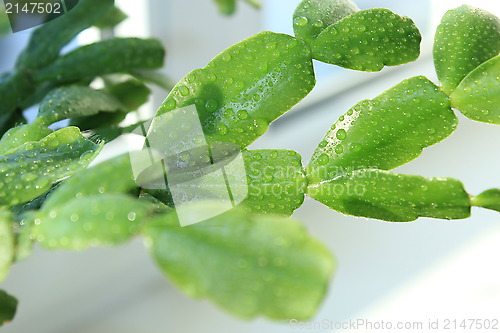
x: 368, y: 40
x: 392, y: 197
x: 76, y: 101
x: 246, y: 87
x: 19, y: 135
x: 489, y: 199
x: 466, y: 37
x: 385, y: 132
x: 276, y: 181
x: 29, y: 170
x: 311, y: 17
x: 478, y: 95
x: 248, y: 264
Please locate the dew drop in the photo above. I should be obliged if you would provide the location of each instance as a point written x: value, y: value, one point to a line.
x: 323, y: 159
x: 211, y: 104
x: 131, y: 216
x: 301, y: 21
x: 239, y: 85
x: 28, y: 177
x: 183, y: 90
x: 222, y: 129
x: 341, y: 134
x: 242, y: 114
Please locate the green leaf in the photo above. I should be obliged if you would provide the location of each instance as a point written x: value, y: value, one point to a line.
x: 489, y: 199
x: 23, y: 241
x: 117, y: 55
x: 112, y: 18
x: 466, y: 37
x: 109, y: 177
x: 47, y: 41
x: 226, y: 7
x: 95, y: 122
x: 368, y: 40
x: 276, y: 181
x: 385, y: 132
x: 103, y: 219
x: 4, y: 23
x: 8, y: 306
x: 311, y: 17
x: 6, y: 243
x: 254, y: 3
x: 392, y: 197
x: 14, y: 89
x: 30, y: 169
x: 478, y: 95
x: 19, y: 135
x: 132, y: 93
x: 246, y: 87
x: 246, y: 263
x: 76, y: 101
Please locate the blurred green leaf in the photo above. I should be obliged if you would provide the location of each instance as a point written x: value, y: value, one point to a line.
x: 6, y: 243
x: 489, y: 199
x: 226, y: 7
x: 311, y: 17
x: 112, y: 18
x: 254, y: 3
x: 8, y: 306
x: 368, y: 40
x: 4, y: 23
x: 385, y: 132
x: 132, y: 93
x: 246, y: 263
x: 246, y: 87
x: 15, y: 88
x: 113, y: 176
x: 47, y: 41
x: 478, y: 95
x: 30, y: 169
x: 96, y: 220
x: 76, y: 101
x: 465, y: 38
x: 23, y: 240
x: 388, y: 196
x: 116, y: 55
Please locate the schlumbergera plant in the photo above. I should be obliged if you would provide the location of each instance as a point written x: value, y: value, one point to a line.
x: 251, y: 260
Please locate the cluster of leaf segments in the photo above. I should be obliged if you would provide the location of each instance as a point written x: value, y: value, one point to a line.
x: 247, y: 262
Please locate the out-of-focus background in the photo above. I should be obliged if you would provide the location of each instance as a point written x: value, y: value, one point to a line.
x: 406, y: 272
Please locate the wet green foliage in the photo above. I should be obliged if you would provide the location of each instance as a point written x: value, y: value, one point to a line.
x: 251, y: 259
